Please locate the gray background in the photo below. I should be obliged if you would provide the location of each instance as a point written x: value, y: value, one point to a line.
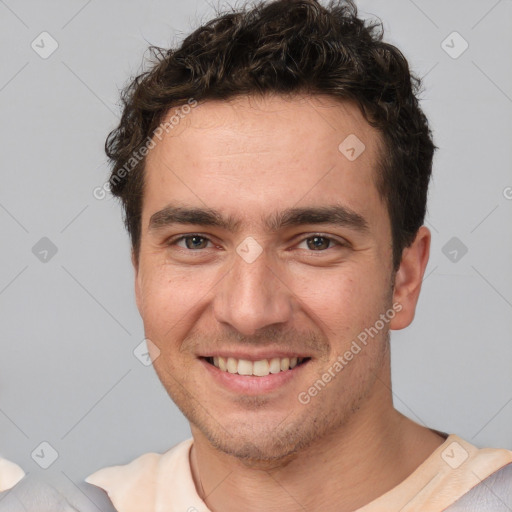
x: 69, y: 324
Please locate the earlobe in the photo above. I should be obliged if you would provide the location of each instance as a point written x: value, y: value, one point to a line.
x: 409, y: 278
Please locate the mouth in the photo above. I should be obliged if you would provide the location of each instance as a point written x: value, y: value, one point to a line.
x: 260, y: 368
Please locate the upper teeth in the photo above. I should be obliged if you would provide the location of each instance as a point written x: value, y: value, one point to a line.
x: 258, y: 368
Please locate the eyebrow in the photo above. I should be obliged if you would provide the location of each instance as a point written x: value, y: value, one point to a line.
x: 336, y: 215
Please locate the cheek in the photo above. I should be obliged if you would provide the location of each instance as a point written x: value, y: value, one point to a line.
x: 166, y: 302
x: 342, y: 301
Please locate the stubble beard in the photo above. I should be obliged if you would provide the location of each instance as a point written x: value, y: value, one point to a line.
x: 265, y: 446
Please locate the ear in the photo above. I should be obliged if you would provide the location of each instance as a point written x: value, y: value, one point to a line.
x: 409, y: 278
x: 138, y: 291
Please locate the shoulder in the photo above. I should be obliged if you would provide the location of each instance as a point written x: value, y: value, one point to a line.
x: 133, y: 486
x: 492, y: 493
x: 41, y: 492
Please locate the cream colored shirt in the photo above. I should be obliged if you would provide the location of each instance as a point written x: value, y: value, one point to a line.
x: 10, y: 474
x: 163, y: 482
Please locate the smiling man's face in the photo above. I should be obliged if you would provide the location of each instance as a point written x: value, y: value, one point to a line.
x: 262, y: 243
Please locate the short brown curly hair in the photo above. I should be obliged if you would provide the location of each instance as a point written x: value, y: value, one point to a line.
x: 283, y: 47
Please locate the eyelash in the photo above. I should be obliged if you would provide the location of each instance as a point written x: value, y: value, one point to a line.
x: 174, y: 241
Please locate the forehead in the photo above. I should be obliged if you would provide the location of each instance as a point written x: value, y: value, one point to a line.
x: 252, y: 154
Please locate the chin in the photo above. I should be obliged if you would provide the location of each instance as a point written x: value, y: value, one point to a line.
x: 264, y: 453
x: 259, y: 445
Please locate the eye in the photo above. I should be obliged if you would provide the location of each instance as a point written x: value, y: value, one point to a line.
x: 319, y: 242
x: 313, y: 243
x: 192, y: 242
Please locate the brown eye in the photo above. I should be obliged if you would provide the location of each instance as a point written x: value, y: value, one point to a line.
x: 318, y: 243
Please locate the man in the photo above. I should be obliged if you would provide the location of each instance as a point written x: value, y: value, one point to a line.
x: 274, y: 173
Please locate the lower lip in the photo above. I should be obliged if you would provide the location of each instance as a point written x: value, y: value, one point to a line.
x: 251, y: 385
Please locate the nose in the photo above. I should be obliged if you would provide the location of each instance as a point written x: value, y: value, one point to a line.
x: 253, y: 295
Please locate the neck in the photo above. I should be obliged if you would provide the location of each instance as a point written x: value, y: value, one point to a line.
x: 344, y: 470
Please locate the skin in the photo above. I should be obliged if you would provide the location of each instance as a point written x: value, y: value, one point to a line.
x: 249, y: 157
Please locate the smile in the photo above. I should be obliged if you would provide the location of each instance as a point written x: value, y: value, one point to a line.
x: 260, y: 368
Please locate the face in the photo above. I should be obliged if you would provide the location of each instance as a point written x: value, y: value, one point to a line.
x: 266, y: 250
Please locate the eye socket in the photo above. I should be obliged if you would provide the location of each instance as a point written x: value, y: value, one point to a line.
x: 315, y: 246
x: 196, y: 241
x: 192, y: 238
